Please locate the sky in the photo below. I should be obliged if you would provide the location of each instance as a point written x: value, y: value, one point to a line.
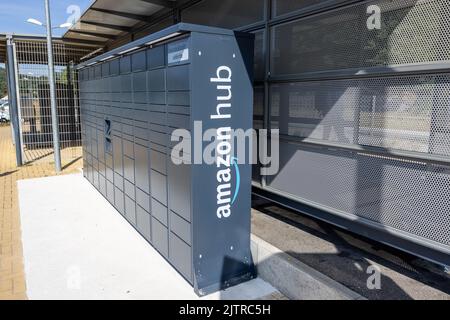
x: 14, y: 14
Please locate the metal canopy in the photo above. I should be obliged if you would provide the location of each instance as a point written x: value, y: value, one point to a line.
x: 163, y: 35
x: 106, y: 20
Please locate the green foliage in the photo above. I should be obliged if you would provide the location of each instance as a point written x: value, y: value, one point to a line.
x: 3, y: 88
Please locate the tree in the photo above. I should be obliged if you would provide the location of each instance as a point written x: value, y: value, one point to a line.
x: 3, y: 85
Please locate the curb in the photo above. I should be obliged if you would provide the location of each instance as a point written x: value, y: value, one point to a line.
x: 293, y: 278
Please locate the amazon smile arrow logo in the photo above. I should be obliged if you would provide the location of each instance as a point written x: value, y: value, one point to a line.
x: 238, y: 178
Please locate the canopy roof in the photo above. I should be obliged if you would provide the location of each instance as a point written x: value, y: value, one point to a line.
x: 107, y: 20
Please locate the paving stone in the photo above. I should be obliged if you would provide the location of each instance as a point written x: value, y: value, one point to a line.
x: 12, y: 278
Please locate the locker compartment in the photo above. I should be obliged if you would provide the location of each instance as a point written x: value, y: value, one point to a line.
x: 160, y: 237
x: 115, y: 84
x: 156, y: 97
x: 102, y: 184
x: 139, y: 81
x: 105, y: 69
x: 140, y: 124
x: 109, y: 160
x: 143, y: 222
x: 118, y: 181
x: 126, y: 96
x: 178, y: 121
x: 101, y: 146
x: 89, y: 173
x: 174, y: 109
x: 141, y: 131
x: 159, y: 211
x: 160, y: 138
x: 127, y: 125
x: 102, y: 168
x: 125, y: 64
x: 109, y: 174
x: 157, y: 117
x: 158, y: 148
x: 158, y: 161
x: 119, y: 200
x: 130, y: 210
x: 142, y: 167
x: 178, y: 78
x: 95, y: 164
x: 114, y: 67
x: 180, y: 189
x: 140, y: 99
x: 95, y: 179
x: 179, y: 98
x: 180, y: 227
x: 117, y: 155
x: 142, y: 199
x: 159, y: 186
x: 156, y: 80
x: 128, y: 149
x: 155, y: 57
x: 110, y: 191
x: 128, y: 164
x: 156, y: 108
x: 129, y: 189
x: 180, y: 256
x: 138, y: 61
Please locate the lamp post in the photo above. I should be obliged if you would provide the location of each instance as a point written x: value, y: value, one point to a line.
x: 51, y: 79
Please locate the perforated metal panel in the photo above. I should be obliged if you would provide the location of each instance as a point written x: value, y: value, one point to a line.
x: 409, y: 196
x: 280, y: 7
x: 405, y: 112
x: 225, y: 14
x: 412, y: 31
x: 347, y: 128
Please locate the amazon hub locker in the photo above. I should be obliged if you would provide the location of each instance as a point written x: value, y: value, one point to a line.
x: 146, y: 109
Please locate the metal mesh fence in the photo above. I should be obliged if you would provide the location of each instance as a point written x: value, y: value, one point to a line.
x: 34, y: 99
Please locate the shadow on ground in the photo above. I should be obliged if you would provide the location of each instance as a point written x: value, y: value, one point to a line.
x: 345, y: 257
x: 4, y: 174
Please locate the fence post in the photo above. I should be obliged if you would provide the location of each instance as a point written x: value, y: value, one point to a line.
x: 12, y: 97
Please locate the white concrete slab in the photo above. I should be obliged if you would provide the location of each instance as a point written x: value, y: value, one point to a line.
x: 77, y: 246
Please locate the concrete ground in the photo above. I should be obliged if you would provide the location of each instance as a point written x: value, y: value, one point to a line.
x: 346, y: 257
x: 77, y: 246
x: 12, y: 280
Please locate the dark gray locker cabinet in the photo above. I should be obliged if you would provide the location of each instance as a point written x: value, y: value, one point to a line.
x: 131, y: 103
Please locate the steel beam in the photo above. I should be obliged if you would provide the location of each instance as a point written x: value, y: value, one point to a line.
x: 51, y: 82
x: 106, y: 25
x: 162, y: 3
x: 84, y: 43
x: 95, y: 34
x: 133, y: 16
